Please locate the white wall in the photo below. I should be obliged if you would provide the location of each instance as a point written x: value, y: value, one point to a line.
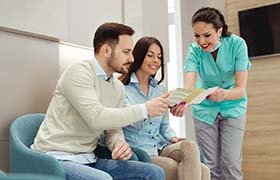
x: 69, y: 54
x: 28, y: 74
x: 148, y: 18
x: 85, y: 16
x: 45, y: 17
x: 66, y: 20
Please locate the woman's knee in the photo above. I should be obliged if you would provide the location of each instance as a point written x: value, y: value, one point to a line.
x: 189, y: 147
x: 170, y: 166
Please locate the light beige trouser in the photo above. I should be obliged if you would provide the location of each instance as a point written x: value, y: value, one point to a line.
x: 181, y: 161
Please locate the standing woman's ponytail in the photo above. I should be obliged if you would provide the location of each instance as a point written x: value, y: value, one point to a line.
x: 225, y: 31
x: 213, y: 16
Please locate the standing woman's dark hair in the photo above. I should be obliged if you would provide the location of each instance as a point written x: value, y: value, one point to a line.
x: 211, y: 16
x: 139, y: 52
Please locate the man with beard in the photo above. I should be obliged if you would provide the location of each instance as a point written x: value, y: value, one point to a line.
x: 89, y: 100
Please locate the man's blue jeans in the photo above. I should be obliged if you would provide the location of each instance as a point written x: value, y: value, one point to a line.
x: 108, y: 169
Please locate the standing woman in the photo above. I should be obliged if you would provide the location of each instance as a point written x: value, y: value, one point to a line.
x: 177, y: 156
x: 218, y: 58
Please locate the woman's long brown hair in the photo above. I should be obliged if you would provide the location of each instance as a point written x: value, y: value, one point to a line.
x: 139, y: 52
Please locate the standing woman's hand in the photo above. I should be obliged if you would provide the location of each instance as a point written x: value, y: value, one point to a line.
x: 218, y: 95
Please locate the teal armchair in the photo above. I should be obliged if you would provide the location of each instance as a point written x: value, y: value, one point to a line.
x: 4, y: 176
x: 25, y: 160
x: 1, y: 173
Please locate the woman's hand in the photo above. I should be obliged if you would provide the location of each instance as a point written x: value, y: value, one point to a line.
x: 179, y: 110
x: 176, y: 139
x: 218, y: 95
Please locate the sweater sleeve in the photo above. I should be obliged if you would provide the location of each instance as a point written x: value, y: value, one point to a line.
x: 114, y: 136
x: 77, y: 85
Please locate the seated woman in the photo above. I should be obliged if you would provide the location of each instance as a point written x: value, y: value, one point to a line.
x: 177, y: 156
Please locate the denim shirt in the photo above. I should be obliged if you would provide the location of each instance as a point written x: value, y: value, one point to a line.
x: 149, y: 134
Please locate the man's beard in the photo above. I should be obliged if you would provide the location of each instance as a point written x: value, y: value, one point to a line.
x: 119, y: 69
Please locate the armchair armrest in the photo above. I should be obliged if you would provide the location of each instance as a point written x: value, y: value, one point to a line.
x: 102, y: 151
x: 141, y: 154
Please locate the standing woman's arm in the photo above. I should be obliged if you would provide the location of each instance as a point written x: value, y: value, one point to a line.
x: 235, y: 93
x: 240, y: 86
x: 242, y: 64
x: 190, y: 80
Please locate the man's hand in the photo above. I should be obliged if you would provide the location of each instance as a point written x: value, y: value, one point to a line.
x: 157, y: 106
x: 122, y: 151
x: 176, y: 139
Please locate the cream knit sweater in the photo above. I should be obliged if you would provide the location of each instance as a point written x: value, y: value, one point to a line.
x: 83, y: 105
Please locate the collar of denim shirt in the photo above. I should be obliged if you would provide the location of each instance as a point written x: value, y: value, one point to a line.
x: 153, y: 81
x: 100, y: 72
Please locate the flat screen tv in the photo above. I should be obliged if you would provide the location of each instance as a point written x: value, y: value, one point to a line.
x: 260, y: 27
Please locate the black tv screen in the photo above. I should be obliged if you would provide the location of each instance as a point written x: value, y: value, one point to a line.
x: 260, y: 27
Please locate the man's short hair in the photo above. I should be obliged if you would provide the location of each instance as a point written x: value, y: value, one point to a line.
x: 109, y: 33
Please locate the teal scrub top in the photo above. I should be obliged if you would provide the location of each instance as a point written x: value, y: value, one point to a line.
x: 232, y: 57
